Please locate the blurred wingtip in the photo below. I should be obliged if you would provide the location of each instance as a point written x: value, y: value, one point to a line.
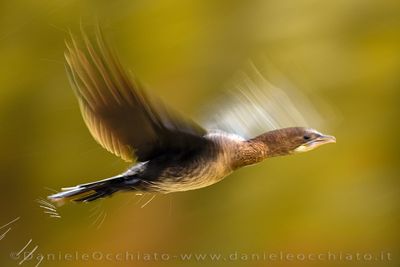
x: 254, y: 104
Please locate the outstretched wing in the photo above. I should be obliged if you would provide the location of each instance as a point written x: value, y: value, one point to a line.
x: 120, y: 115
x: 254, y: 106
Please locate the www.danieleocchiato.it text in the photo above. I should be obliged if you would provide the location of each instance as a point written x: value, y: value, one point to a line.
x: 282, y: 256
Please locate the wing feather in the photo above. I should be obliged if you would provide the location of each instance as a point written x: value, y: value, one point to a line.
x: 255, y: 106
x: 120, y: 115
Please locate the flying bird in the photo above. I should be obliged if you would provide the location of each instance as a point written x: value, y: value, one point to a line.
x: 171, y: 153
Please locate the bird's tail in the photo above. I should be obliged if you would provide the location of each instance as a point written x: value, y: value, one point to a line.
x: 92, y: 191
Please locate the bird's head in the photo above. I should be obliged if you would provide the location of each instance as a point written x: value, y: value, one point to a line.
x: 293, y: 140
x: 306, y: 139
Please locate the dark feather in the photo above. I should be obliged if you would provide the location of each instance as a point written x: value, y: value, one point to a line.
x: 120, y: 115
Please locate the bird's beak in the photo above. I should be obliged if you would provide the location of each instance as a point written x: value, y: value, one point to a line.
x: 317, y: 142
x: 325, y: 139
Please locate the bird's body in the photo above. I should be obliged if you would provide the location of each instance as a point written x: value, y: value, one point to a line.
x: 171, y: 152
x: 178, y: 171
x: 193, y: 169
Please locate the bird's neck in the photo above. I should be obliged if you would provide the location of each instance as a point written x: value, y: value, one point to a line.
x: 264, y: 146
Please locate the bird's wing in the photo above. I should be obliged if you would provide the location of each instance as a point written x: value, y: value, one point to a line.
x: 120, y: 115
x: 254, y: 106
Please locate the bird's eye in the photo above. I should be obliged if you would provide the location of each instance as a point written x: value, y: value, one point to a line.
x: 306, y: 137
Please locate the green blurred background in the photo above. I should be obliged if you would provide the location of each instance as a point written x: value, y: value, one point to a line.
x: 341, y: 198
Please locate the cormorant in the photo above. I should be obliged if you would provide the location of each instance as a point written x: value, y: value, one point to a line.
x: 172, y: 153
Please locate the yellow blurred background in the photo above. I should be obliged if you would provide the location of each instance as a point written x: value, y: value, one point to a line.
x: 342, y: 198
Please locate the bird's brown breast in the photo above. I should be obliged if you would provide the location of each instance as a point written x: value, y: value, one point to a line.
x: 205, y: 168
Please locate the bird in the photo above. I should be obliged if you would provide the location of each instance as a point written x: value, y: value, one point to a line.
x: 169, y: 151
